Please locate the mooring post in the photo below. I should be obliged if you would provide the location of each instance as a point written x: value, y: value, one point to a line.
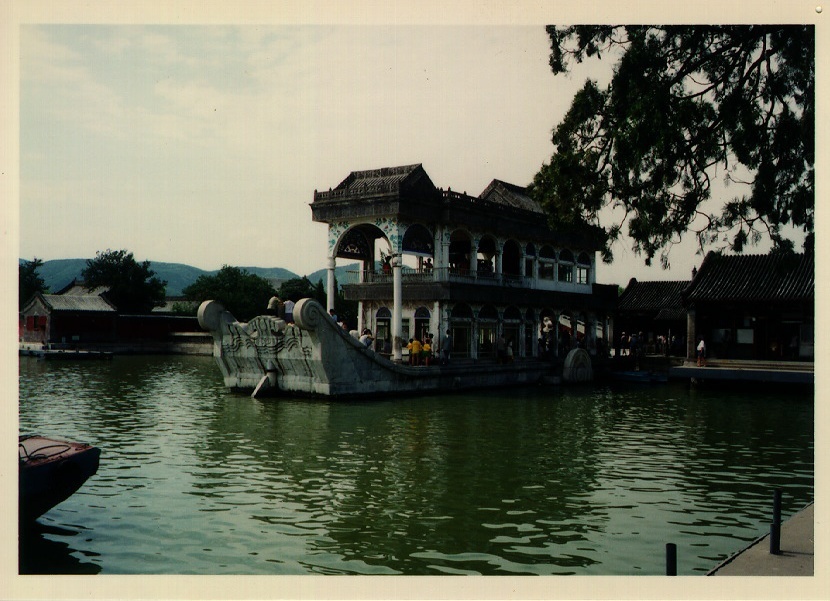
x: 671, y: 559
x: 775, y: 527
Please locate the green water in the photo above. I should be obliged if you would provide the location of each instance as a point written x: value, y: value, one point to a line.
x: 582, y: 480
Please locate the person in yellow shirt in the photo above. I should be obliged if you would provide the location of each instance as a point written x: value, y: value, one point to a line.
x: 426, y: 351
x: 415, y: 348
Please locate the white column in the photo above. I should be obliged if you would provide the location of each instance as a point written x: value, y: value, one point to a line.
x: 397, y: 304
x: 330, y: 292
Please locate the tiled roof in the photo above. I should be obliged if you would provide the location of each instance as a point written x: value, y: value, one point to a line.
x: 75, y: 302
x: 664, y: 297
x: 757, y: 278
x: 511, y: 195
x: 374, y: 180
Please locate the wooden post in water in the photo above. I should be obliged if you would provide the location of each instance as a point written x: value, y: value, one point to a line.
x: 775, y: 527
x: 671, y: 559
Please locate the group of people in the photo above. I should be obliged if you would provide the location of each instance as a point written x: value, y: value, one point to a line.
x: 423, y: 351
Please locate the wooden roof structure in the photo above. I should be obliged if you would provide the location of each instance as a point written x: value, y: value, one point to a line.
x: 770, y: 278
x: 74, y: 302
x: 408, y: 192
x: 662, y: 299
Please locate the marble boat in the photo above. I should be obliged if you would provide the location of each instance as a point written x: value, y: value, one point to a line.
x: 314, y: 356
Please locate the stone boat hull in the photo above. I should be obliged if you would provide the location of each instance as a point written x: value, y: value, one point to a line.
x: 315, y: 357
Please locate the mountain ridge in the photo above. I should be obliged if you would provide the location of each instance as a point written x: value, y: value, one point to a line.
x: 59, y: 273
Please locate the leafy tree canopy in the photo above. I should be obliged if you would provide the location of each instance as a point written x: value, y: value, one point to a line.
x: 242, y: 293
x: 133, y: 286
x: 686, y: 104
x: 29, y: 281
x: 297, y: 288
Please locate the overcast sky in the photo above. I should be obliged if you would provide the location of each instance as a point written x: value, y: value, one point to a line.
x: 203, y: 144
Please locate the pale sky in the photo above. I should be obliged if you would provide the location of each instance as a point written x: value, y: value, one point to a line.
x: 203, y: 144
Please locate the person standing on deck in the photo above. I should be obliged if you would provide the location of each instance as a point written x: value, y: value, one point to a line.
x: 501, y: 349
x: 701, y: 353
x: 446, y: 347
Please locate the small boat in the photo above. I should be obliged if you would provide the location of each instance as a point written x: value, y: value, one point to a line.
x: 51, y: 471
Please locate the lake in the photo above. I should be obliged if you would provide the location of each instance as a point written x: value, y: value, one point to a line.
x: 577, y: 480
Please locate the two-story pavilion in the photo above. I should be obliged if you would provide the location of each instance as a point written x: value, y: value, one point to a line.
x: 479, y: 266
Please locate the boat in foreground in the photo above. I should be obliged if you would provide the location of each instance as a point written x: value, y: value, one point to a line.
x: 51, y: 471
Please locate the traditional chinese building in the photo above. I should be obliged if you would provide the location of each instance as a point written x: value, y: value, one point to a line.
x: 753, y: 306
x: 433, y: 260
x: 653, y: 309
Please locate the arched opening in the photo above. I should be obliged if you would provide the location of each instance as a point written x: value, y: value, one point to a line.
x: 421, y: 322
x: 461, y: 325
x: 488, y: 321
x: 530, y: 257
x: 566, y: 266
x: 511, y: 328
x: 583, y: 269
x: 547, y: 262
x: 361, y: 242
x: 383, y: 330
x: 530, y: 332
x: 460, y: 252
x: 485, y: 257
x: 511, y: 258
x: 418, y: 248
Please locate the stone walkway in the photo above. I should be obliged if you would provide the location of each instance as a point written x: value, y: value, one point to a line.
x: 796, y: 558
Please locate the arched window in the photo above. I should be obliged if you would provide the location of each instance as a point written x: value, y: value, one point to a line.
x: 485, y: 256
x: 460, y: 252
x: 488, y: 312
x: 511, y: 258
x: 547, y: 262
x: 531, y: 332
x: 417, y: 241
x: 421, y: 322
x: 530, y: 257
x: 461, y: 323
x: 512, y: 314
x: 383, y: 330
x: 566, y: 266
x: 583, y: 269
x: 512, y: 330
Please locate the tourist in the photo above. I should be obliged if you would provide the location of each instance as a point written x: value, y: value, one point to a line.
x: 501, y: 349
x: 701, y: 353
x: 426, y: 350
x: 333, y: 315
x: 276, y: 307
x: 417, y: 347
x: 289, y: 311
x: 366, y: 337
x: 446, y: 347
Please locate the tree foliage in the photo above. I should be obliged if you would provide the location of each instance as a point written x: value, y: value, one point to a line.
x: 29, y: 281
x: 686, y: 104
x: 297, y: 288
x: 244, y: 294
x: 133, y: 286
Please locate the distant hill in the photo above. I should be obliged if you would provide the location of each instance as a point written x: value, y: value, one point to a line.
x: 58, y: 273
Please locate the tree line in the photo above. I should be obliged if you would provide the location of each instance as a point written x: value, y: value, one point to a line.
x: 134, y: 288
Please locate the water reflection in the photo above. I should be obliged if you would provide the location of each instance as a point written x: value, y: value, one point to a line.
x: 194, y: 480
x: 46, y: 549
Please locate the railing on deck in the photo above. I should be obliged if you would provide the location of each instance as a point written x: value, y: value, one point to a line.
x: 440, y: 274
